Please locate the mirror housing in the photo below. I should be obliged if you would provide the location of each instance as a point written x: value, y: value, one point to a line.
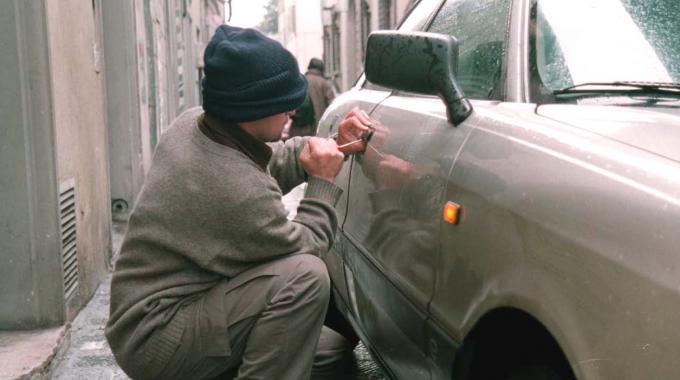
x: 418, y: 62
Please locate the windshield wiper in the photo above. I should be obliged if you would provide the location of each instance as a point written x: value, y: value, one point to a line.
x: 642, y: 88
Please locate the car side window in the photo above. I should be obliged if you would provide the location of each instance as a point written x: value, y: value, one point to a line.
x: 480, y: 26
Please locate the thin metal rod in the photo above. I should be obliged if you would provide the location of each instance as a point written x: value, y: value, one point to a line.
x: 350, y: 143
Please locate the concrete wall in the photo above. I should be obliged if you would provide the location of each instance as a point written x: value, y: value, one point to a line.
x: 31, y: 294
x: 81, y: 135
x: 124, y: 115
x: 52, y: 99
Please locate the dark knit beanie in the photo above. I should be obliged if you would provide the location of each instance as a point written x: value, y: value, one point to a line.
x: 249, y: 76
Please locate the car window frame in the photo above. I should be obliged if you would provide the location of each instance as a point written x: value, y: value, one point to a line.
x: 517, y: 58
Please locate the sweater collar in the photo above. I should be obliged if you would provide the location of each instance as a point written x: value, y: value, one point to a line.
x: 231, y: 135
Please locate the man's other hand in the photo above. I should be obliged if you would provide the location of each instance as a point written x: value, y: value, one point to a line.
x: 322, y: 158
x: 355, y: 125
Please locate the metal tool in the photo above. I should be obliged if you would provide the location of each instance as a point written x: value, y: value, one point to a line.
x: 366, y: 137
x: 350, y: 143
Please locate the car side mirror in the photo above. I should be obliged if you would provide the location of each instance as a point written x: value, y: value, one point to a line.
x: 418, y: 62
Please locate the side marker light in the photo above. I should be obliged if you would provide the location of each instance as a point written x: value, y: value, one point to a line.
x: 451, y: 213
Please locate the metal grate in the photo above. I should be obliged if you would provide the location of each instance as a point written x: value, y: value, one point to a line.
x: 67, y: 224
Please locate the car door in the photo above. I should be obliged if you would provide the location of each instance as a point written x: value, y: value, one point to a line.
x: 392, y: 226
x: 396, y: 202
x: 366, y: 97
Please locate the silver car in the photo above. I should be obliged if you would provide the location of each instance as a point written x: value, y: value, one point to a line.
x: 516, y: 214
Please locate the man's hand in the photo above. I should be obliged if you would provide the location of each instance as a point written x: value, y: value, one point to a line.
x: 322, y: 158
x: 355, y: 125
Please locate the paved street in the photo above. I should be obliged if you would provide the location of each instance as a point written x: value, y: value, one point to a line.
x: 89, y: 357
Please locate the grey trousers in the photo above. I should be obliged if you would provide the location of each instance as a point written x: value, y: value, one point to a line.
x: 263, y: 324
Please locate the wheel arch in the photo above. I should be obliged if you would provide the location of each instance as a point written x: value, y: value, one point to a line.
x: 508, y: 338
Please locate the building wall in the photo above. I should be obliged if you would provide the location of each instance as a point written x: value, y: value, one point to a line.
x: 142, y: 84
x: 69, y: 76
x: 81, y: 134
x: 346, y: 26
x: 124, y: 116
x: 158, y: 47
x: 213, y: 17
x: 154, y: 50
x: 302, y: 31
x: 177, y: 32
x: 31, y: 294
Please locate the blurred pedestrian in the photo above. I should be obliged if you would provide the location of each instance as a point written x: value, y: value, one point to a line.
x: 320, y: 89
x: 212, y: 279
x: 320, y: 95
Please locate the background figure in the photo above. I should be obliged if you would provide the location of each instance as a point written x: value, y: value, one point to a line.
x: 320, y: 95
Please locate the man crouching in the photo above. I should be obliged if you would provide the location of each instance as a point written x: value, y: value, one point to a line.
x: 213, y: 280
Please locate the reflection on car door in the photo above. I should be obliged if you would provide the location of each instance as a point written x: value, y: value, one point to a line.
x: 392, y: 225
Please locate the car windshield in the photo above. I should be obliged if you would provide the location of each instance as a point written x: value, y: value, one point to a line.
x: 606, y: 41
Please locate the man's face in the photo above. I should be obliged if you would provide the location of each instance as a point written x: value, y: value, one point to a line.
x: 269, y: 128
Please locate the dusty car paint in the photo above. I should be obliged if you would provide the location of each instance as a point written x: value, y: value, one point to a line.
x: 654, y: 130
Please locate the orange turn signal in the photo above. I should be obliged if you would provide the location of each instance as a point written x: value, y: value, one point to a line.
x: 451, y: 213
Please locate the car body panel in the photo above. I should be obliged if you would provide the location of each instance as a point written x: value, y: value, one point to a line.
x: 557, y: 224
x: 652, y: 129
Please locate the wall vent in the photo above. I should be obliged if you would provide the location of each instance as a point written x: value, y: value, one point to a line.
x: 67, y: 225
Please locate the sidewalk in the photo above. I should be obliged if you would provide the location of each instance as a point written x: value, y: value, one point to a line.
x: 88, y: 355
x: 27, y: 355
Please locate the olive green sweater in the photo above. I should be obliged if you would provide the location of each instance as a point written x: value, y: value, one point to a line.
x: 206, y: 212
